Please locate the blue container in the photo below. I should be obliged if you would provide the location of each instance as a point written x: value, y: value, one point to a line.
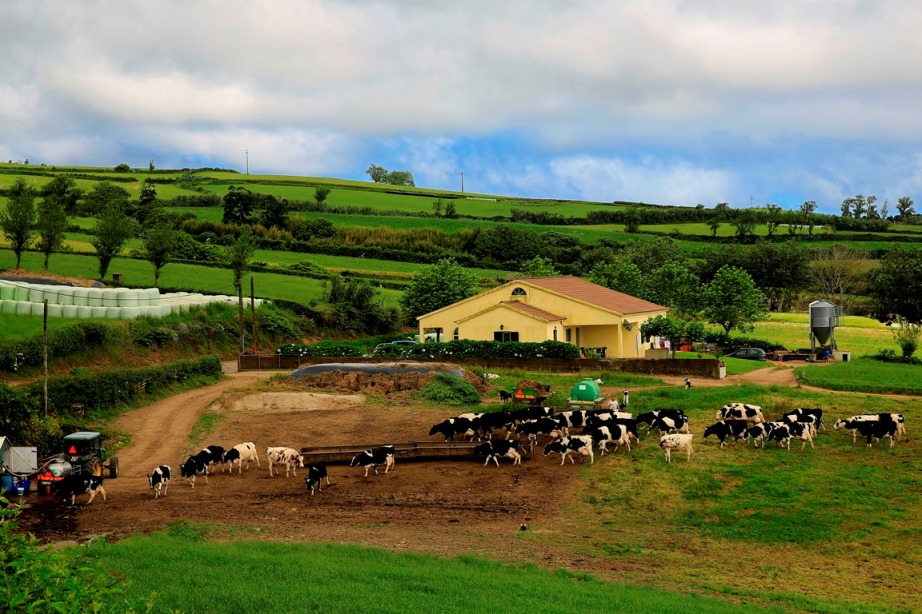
x: 24, y: 484
x: 7, y: 484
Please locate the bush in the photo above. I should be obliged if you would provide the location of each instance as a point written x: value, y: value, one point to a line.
x: 892, y: 357
x: 63, y: 341
x: 324, y: 348
x: 450, y: 390
x: 276, y: 323
x: 466, y: 348
x: 725, y: 341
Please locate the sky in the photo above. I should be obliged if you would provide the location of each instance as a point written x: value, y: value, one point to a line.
x: 663, y: 101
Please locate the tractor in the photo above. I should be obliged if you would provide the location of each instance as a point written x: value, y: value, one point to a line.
x: 83, y: 452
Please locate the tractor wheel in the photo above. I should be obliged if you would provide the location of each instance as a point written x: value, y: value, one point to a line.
x: 113, y: 467
x: 93, y: 466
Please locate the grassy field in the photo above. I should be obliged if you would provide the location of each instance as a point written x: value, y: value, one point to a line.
x: 864, y: 376
x: 347, y: 578
x: 25, y: 326
x: 860, y: 336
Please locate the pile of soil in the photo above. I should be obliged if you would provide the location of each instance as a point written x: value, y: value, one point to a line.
x: 381, y: 377
x: 50, y: 279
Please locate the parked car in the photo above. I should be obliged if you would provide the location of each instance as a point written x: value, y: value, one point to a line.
x: 747, y: 353
x: 398, y: 343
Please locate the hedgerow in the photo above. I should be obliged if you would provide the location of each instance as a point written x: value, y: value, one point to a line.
x: 462, y: 348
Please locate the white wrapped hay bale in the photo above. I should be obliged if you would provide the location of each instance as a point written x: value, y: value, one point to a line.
x: 98, y: 312
x: 80, y: 296
x: 128, y: 298
x: 112, y: 313
x: 7, y: 306
x: 69, y: 311
x: 38, y: 309
x: 21, y: 292
x: 23, y: 308
x: 7, y: 291
x: 85, y: 312
x: 93, y: 297
x: 129, y: 313
x: 56, y: 311
x: 36, y: 294
x: 65, y: 295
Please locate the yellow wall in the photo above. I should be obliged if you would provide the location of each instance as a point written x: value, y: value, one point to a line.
x: 597, y: 327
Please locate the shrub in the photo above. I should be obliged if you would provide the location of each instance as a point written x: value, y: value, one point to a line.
x: 466, y: 348
x: 275, y: 323
x: 450, y: 390
x: 324, y: 348
x: 726, y: 341
x: 892, y: 357
x: 906, y: 336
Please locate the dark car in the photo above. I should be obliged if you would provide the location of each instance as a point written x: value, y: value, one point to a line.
x: 398, y: 343
x: 747, y: 353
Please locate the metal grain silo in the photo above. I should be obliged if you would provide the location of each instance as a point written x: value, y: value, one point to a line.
x: 824, y: 317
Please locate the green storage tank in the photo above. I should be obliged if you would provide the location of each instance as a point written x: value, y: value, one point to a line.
x: 586, y: 391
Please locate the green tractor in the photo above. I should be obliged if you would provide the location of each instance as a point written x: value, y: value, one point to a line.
x: 84, y: 452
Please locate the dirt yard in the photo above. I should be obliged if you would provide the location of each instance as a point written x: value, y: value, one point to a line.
x: 444, y: 507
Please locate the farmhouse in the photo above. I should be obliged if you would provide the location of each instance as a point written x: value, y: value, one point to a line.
x: 563, y: 308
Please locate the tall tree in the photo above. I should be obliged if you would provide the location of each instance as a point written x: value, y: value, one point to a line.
x: 437, y: 286
x: 837, y: 271
x: 897, y: 284
x: 112, y: 230
x: 772, y: 218
x: 904, y: 207
x: 377, y: 173
x: 846, y: 207
x: 19, y: 217
x: 806, y: 211
x: 539, y: 267
x: 733, y: 301
x: 148, y: 192
x: 275, y: 213
x: 64, y: 191
x: 621, y: 275
x: 159, y: 244
x: 104, y: 195
x: 744, y: 225
x: 320, y: 196
x: 52, y: 223
x: 673, y: 285
x: 238, y: 206
x: 238, y: 255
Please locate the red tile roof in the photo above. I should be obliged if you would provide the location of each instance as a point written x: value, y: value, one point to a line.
x: 588, y: 292
x: 533, y: 311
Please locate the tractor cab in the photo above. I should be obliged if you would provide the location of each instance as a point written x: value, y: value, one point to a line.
x: 83, y: 445
x: 83, y: 452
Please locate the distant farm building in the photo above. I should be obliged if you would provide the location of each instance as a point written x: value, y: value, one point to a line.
x: 564, y: 308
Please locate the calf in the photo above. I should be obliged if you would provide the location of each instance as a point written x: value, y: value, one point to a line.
x: 724, y: 429
x: 159, y: 480
x: 493, y: 450
x: 784, y: 433
x: 315, y: 475
x: 289, y: 457
x: 242, y: 452
x: 741, y: 411
x: 77, y: 484
x: 451, y: 427
x: 370, y: 459
x: 617, y: 434
x: 581, y: 444
x: 676, y: 441
x: 504, y: 396
x: 191, y: 468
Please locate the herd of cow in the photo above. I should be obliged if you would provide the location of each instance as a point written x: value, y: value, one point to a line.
x: 598, y: 429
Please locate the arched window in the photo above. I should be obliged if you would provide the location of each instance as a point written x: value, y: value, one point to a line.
x: 455, y: 335
x: 519, y: 292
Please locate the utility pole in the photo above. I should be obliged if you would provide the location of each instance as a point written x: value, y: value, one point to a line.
x: 462, y: 182
x: 240, y: 315
x: 253, y: 313
x: 247, y: 152
x: 45, y: 352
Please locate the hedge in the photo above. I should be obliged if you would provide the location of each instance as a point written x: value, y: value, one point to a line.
x: 62, y: 341
x: 462, y: 348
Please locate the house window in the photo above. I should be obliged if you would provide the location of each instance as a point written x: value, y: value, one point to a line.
x: 569, y: 339
x: 505, y: 335
x: 555, y: 333
x: 519, y: 292
x: 456, y: 335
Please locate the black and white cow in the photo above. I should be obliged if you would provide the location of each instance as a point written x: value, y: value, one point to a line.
x: 759, y: 432
x: 453, y: 426
x: 741, y: 411
x: 213, y: 455
x: 784, y: 433
x: 617, y: 434
x: 281, y: 455
x: 800, y: 418
x: 541, y: 426
x: 242, y: 453
x: 315, y: 476
x: 159, y: 480
x: 579, y: 444
x: 487, y: 422
x: 676, y: 441
x: 650, y: 416
x: 851, y: 423
x: 77, y: 484
x: 370, y: 459
x: 191, y: 468
x: 816, y: 412
x: 724, y: 429
x: 603, y: 417
x: 496, y: 448
x: 667, y: 424
x: 571, y: 419
x: 871, y: 429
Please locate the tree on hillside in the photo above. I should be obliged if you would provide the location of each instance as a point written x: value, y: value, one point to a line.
x: 632, y: 220
x: 904, y: 206
x: 320, y: 196
x: 112, y: 230
x: 732, y: 300
x: 676, y: 331
x: 714, y: 225
x: 621, y: 275
x: 837, y: 271
x: 437, y: 286
x: 148, y: 192
x: 539, y: 267
x: 19, y: 217
x: 64, y: 191
x: 238, y: 255
x: 103, y: 196
x: 780, y: 270
x: 238, y: 206
x: 377, y: 173
x: 650, y: 253
x: 744, y: 225
x: 772, y: 218
x: 159, y: 244
x: 357, y: 306
x: 897, y: 284
x: 52, y: 223
x: 673, y: 285
x: 275, y: 213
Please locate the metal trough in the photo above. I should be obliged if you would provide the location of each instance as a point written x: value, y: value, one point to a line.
x: 407, y: 450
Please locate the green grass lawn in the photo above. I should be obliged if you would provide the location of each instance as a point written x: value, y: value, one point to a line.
x: 18, y: 327
x: 735, y: 366
x: 864, y: 376
x: 861, y: 336
x: 347, y: 578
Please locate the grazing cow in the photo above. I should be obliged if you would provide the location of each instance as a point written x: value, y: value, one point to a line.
x: 724, y: 429
x: 191, y: 468
x: 315, y: 475
x: 759, y: 432
x: 617, y: 434
x: 851, y: 423
x: 741, y: 411
x: 649, y: 416
x: 504, y: 396
x: 242, y: 453
x: 676, y: 441
x: 289, y: 457
x: 370, y: 459
x: 580, y: 444
x: 541, y: 426
x: 666, y: 424
x: 496, y: 448
x: 159, y: 480
x: 453, y: 426
x: 784, y: 433
x: 807, y: 411
x: 79, y: 483
x: 869, y: 428
x: 571, y: 419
